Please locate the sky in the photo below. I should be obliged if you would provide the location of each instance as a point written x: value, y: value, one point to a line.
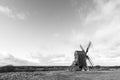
x: 47, y: 32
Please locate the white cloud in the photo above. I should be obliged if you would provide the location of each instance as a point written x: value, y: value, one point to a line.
x: 51, y: 58
x: 12, y: 60
x: 107, y: 35
x: 102, y: 27
x: 11, y: 13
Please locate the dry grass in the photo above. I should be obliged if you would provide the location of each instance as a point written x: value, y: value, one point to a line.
x: 62, y: 75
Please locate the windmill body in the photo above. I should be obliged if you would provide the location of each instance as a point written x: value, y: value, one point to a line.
x: 80, y: 58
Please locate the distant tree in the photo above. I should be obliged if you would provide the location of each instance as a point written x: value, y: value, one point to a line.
x: 98, y: 66
x: 7, y: 68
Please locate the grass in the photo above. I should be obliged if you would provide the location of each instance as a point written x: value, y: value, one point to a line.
x: 61, y: 75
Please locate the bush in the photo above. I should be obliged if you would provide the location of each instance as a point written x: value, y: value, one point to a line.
x: 7, y: 68
x: 98, y: 66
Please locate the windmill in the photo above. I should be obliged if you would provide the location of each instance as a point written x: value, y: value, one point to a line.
x: 80, y: 59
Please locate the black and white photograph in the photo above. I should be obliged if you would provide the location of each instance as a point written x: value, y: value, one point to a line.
x: 59, y: 39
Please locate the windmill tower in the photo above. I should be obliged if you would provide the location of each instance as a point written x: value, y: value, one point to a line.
x: 79, y: 62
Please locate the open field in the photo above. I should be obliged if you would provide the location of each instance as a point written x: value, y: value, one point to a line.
x: 62, y: 75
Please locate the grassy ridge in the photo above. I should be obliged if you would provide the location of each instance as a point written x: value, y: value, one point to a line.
x: 11, y: 68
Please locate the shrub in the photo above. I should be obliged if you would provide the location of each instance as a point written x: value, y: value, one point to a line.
x: 7, y: 68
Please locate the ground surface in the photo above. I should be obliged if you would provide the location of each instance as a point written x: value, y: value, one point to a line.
x: 62, y: 75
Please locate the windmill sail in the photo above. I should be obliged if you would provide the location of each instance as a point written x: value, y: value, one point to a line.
x: 82, y: 48
x: 90, y: 61
x: 88, y: 47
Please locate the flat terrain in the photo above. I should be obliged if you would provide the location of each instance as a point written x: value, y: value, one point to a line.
x: 61, y: 75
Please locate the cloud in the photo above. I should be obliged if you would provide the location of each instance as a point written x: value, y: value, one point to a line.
x: 102, y: 27
x: 107, y: 31
x: 11, y: 13
x: 10, y: 59
x: 50, y: 58
x: 60, y: 59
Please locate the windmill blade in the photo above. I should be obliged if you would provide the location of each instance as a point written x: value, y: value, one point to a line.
x: 82, y: 48
x: 88, y: 47
x: 91, y: 63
